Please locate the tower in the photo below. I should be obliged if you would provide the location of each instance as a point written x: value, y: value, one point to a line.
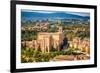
x: 60, y: 29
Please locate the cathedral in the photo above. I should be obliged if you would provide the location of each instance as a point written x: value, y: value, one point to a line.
x: 48, y: 40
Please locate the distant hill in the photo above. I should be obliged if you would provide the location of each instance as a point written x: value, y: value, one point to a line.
x: 55, y: 15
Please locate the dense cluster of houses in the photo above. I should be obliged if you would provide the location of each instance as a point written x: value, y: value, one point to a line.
x: 38, y: 26
x: 83, y: 45
x: 45, y: 40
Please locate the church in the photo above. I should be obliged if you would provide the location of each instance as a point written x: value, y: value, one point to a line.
x: 47, y: 40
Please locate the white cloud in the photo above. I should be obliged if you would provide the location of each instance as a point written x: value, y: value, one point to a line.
x: 80, y: 13
x: 38, y: 11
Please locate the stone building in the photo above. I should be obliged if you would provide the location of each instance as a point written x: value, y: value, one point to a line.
x: 49, y: 40
x: 46, y: 40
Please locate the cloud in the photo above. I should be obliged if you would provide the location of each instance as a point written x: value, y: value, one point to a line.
x: 37, y: 11
x: 80, y: 13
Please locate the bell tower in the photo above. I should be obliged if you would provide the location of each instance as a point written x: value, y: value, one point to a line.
x: 60, y: 29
